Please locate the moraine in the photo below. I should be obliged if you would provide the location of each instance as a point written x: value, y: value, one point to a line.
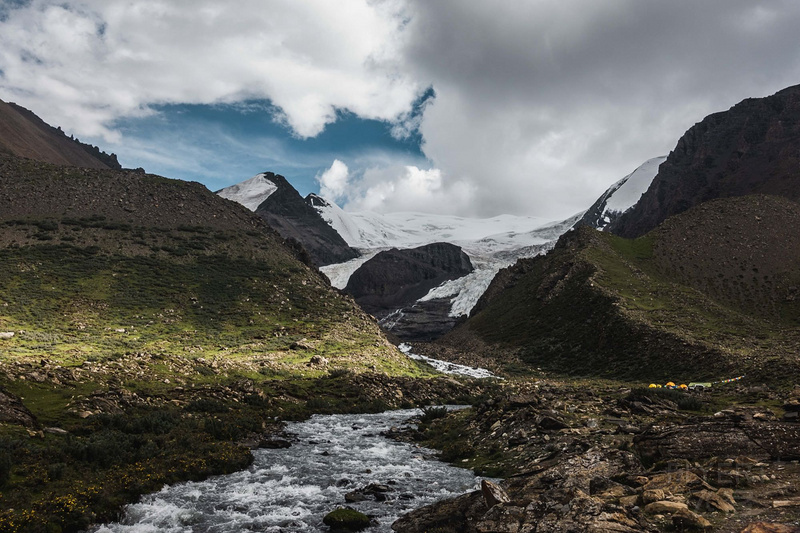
x: 291, y: 490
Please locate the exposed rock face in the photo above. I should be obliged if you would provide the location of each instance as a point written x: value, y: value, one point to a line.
x: 23, y: 134
x: 397, y: 278
x: 621, y: 196
x: 556, y: 499
x: 752, y: 148
x: 294, y: 218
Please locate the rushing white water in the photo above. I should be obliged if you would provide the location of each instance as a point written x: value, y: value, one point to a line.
x: 447, y: 367
x: 291, y: 490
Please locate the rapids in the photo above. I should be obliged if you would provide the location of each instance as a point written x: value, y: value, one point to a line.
x: 291, y: 490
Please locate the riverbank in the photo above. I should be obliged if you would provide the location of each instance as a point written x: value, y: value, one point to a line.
x: 599, y: 456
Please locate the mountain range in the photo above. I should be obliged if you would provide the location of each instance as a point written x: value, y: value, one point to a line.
x: 750, y: 149
x: 152, y: 331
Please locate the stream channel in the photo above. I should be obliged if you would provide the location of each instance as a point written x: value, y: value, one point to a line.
x: 292, y: 489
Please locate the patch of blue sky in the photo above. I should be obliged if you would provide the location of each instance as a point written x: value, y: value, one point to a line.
x: 219, y: 145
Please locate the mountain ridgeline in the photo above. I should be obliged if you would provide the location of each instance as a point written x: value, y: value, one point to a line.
x: 699, y: 279
x: 711, y: 292
x: 754, y: 147
x: 274, y: 199
x: 24, y: 134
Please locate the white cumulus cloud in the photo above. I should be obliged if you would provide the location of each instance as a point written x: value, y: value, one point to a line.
x: 408, y: 188
x: 87, y: 62
x: 333, y: 182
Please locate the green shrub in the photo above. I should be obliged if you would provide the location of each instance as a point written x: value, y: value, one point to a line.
x: 431, y: 413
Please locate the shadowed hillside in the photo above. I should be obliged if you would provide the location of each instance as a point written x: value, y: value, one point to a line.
x: 709, y: 293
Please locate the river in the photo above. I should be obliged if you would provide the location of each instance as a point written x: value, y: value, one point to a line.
x: 291, y: 490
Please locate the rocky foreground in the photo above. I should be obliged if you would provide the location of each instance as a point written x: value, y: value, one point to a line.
x: 584, y: 457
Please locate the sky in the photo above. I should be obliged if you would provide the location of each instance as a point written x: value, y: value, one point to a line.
x: 471, y: 108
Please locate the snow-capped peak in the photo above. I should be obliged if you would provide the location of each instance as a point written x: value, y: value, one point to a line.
x: 250, y: 193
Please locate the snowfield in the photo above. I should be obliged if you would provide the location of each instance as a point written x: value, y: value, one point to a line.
x: 490, y: 243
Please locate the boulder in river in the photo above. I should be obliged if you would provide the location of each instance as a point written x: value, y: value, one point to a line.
x: 345, y: 519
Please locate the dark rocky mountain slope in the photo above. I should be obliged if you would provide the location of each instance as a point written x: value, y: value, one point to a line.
x: 23, y: 134
x: 396, y: 278
x: 711, y: 292
x: 754, y: 147
x: 295, y: 218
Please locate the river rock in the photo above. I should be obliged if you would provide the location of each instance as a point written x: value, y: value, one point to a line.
x: 373, y: 491
x: 711, y: 501
x: 653, y: 495
x: 678, y: 482
x: 665, y: 507
x: 501, y: 518
x: 551, y: 423
x: 274, y: 443
x: 345, y: 520
x: 493, y: 494
x: 686, y: 519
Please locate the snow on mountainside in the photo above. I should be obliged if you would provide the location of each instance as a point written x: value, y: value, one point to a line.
x: 622, y: 195
x: 250, y: 193
x: 365, y: 230
x: 491, y: 244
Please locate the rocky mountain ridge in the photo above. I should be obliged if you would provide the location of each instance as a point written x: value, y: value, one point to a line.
x: 601, y: 305
x: 751, y: 148
x: 24, y: 134
x: 395, y: 278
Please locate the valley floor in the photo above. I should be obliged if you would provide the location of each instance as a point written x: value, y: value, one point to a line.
x: 80, y: 441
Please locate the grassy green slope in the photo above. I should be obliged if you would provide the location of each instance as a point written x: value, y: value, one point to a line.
x: 603, y: 305
x: 98, y: 263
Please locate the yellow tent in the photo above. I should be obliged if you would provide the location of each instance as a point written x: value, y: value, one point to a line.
x: 653, y: 386
x: 670, y: 384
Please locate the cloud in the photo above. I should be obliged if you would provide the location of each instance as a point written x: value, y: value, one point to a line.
x: 539, y: 106
x: 86, y: 63
x: 333, y: 182
x: 393, y: 188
